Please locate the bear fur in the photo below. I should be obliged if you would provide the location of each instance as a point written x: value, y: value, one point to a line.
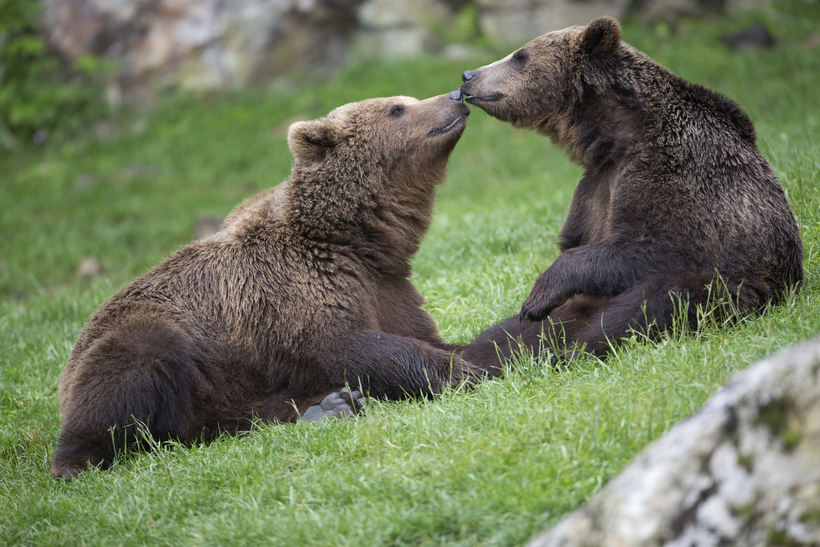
x: 302, y: 291
x: 676, y: 208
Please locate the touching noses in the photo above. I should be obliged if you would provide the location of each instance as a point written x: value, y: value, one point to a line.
x: 467, y: 75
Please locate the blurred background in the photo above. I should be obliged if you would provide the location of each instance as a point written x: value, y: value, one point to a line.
x: 58, y: 58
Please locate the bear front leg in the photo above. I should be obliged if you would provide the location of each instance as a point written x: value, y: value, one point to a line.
x: 502, y: 343
x: 605, y: 268
x: 389, y: 366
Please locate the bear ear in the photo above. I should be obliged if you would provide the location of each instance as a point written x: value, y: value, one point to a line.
x: 601, y: 37
x: 311, y: 141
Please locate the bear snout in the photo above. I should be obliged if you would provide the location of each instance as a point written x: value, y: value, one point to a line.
x: 456, y: 96
x: 474, y: 91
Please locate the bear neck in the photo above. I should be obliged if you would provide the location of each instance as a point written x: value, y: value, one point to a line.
x: 612, y: 110
x: 635, y: 103
x: 599, y: 131
x: 380, y: 223
x: 402, y: 217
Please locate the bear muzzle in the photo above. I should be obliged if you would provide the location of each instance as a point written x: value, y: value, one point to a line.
x: 476, y: 99
x: 474, y: 96
x: 460, y: 121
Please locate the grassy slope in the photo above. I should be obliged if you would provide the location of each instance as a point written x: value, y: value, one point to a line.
x: 491, y: 466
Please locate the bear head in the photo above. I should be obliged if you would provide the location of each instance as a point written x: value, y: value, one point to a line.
x: 538, y: 83
x: 382, y: 137
x: 368, y: 170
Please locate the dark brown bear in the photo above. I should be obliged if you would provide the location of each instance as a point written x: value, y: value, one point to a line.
x: 303, y: 290
x: 676, y: 203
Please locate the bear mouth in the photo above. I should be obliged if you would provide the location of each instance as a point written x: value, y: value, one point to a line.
x: 447, y: 127
x: 484, y: 99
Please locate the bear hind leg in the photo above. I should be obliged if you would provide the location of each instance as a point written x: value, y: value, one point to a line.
x: 125, y: 388
x: 662, y: 304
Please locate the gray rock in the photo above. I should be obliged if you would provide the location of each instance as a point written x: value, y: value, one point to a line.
x: 222, y: 44
x: 674, y: 10
x: 745, y: 470
x: 195, y: 45
x: 393, y: 29
x: 517, y: 21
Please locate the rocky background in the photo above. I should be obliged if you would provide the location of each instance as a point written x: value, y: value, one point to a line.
x: 229, y: 44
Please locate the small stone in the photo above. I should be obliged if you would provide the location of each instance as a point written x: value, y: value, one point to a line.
x: 86, y: 180
x: 89, y: 268
x: 106, y: 130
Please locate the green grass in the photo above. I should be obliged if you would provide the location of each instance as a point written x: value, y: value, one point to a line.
x: 490, y: 466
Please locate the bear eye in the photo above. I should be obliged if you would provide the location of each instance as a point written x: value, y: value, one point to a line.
x: 397, y: 111
x: 519, y: 57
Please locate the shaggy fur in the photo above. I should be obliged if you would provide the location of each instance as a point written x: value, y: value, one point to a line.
x: 303, y: 290
x: 676, y: 205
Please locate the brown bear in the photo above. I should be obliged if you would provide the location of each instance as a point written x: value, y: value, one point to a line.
x: 676, y: 207
x: 303, y: 290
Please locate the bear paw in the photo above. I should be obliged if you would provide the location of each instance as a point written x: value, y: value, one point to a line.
x: 339, y: 404
x: 545, y: 296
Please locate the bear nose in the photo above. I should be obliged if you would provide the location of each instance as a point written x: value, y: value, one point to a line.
x: 455, y: 95
x: 467, y: 75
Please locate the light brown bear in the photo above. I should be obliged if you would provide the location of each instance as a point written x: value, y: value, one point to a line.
x: 676, y: 206
x: 302, y: 291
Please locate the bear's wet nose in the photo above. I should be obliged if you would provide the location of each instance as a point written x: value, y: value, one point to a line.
x: 455, y: 95
x: 467, y: 75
